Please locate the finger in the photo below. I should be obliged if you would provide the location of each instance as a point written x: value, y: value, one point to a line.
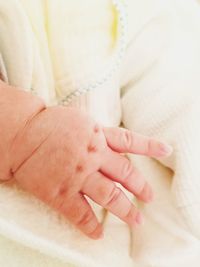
x: 79, y: 212
x: 105, y: 193
x: 123, y: 140
x: 121, y: 170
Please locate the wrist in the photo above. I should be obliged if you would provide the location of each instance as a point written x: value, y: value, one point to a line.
x: 17, y: 108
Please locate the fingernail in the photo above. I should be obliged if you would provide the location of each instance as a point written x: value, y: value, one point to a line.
x: 139, y: 218
x: 165, y: 149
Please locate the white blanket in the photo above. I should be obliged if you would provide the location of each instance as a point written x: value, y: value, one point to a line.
x: 160, y: 83
x: 162, y: 99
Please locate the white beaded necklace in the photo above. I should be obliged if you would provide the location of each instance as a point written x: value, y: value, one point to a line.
x: 122, y: 14
x: 114, y: 62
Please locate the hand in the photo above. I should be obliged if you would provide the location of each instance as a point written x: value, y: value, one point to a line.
x: 62, y: 154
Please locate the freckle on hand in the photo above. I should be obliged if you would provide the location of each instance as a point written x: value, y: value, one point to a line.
x: 79, y: 168
x: 96, y: 129
x: 91, y: 148
x: 62, y: 190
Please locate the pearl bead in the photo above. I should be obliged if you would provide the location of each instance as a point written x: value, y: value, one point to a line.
x: 121, y: 45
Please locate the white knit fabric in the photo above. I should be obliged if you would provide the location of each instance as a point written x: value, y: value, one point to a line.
x: 160, y: 98
x: 159, y: 82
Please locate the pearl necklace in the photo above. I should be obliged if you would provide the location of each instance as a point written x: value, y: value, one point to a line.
x: 115, y: 61
x: 122, y: 14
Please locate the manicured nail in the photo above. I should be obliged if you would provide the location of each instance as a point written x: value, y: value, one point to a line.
x: 165, y: 149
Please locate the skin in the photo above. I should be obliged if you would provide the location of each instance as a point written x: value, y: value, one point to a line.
x: 60, y: 155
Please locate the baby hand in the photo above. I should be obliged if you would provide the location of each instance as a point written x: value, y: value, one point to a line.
x: 62, y: 155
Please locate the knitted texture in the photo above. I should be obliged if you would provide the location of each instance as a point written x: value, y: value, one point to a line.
x: 159, y: 85
x: 160, y: 98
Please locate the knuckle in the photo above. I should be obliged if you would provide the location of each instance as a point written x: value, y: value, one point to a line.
x: 127, y: 139
x: 143, y: 188
x: 127, y: 170
x: 131, y: 214
x: 102, y: 192
x: 113, y: 196
x: 128, y: 213
x: 85, y: 218
x: 140, y: 190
